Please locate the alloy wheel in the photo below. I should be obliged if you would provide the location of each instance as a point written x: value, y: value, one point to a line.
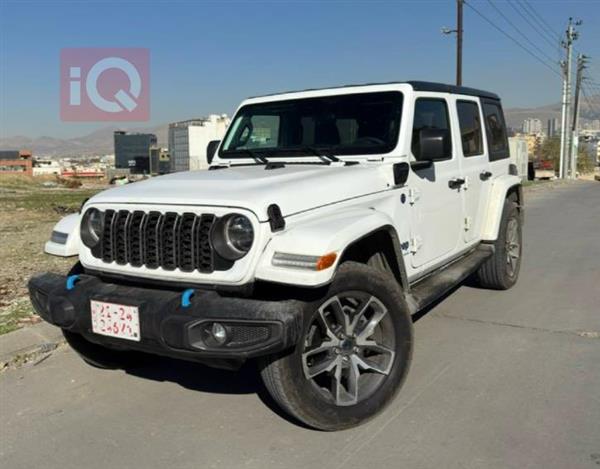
x: 513, y: 246
x: 349, y: 347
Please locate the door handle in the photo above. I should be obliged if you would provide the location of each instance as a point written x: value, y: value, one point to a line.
x: 455, y: 183
x: 485, y: 175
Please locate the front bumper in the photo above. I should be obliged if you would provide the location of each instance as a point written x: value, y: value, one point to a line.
x: 256, y: 327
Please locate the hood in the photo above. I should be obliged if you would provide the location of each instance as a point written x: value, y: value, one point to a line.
x: 295, y: 188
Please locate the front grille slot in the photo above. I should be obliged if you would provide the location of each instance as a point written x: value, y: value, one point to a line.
x: 107, y: 236
x: 154, y: 240
x: 204, y: 254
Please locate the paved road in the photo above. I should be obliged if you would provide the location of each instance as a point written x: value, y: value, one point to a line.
x: 499, y: 380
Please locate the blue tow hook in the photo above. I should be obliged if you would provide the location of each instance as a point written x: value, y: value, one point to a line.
x: 71, y: 281
x: 186, y: 298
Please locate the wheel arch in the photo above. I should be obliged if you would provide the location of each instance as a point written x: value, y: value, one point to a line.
x: 382, y: 240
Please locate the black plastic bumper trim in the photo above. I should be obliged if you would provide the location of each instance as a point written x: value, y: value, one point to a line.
x: 166, y: 327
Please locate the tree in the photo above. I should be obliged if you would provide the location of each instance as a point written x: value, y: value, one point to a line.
x: 550, y: 150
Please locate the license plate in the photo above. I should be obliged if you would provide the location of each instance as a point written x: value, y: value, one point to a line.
x: 115, y: 320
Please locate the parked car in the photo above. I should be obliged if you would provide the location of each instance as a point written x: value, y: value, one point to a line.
x: 328, y: 219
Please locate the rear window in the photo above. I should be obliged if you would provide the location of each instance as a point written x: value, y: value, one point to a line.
x: 470, y: 128
x: 495, y: 130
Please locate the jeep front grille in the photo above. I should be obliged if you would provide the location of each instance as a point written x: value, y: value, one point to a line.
x: 168, y: 240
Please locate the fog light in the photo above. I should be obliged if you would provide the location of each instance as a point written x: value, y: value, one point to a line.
x: 219, y: 333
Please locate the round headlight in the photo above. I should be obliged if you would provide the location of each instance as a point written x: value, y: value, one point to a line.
x: 233, y: 236
x: 92, y: 224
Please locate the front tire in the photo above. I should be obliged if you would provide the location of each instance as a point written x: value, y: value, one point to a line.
x: 353, y: 356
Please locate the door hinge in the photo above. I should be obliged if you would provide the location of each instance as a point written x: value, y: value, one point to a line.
x: 415, y: 244
x: 413, y: 195
x: 468, y: 223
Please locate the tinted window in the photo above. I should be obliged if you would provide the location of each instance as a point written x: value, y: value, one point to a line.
x: 430, y: 113
x: 496, y: 130
x: 351, y: 124
x: 470, y: 128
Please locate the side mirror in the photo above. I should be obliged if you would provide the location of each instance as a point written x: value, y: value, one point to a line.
x: 211, y: 149
x: 434, y: 144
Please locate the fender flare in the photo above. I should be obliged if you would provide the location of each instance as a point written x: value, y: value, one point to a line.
x: 322, y: 235
x: 501, y: 187
x: 68, y: 225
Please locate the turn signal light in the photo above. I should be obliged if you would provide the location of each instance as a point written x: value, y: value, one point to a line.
x: 326, y: 261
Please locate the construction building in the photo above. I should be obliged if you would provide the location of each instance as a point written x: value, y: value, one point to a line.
x: 188, y: 141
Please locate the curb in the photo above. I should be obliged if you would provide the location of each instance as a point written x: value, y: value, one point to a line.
x: 35, y: 339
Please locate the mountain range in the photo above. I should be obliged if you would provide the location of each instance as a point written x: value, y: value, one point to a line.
x: 100, y: 142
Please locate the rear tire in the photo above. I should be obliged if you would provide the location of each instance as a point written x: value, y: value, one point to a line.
x: 103, y: 357
x: 501, y: 270
x: 353, y: 356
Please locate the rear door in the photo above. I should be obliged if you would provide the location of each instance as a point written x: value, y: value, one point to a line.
x: 474, y: 165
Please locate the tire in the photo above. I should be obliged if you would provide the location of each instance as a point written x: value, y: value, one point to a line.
x: 103, y: 357
x: 353, y: 356
x: 501, y: 270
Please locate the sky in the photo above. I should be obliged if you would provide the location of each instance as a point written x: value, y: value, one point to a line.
x: 205, y: 56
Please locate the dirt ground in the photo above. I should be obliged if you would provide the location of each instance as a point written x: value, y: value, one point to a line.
x: 29, y: 208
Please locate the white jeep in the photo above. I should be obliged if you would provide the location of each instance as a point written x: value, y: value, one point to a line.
x: 327, y: 220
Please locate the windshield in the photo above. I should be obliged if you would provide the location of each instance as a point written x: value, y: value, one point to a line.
x: 352, y: 124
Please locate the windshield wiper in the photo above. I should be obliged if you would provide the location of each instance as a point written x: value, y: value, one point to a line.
x: 260, y: 158
x: 317, y: 152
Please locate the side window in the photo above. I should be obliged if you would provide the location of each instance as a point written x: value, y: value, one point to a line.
x: 430, y: 113
x: 496, y: 130
x: 470, y: 128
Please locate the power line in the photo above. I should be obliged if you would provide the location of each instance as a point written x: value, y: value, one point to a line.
x: 516, y: 41
x: 588, y: 100
x: 542, y: 21
x: 557, y: 35
x: 544, y: 27
x: 541, y: 32
x: 519, y: 31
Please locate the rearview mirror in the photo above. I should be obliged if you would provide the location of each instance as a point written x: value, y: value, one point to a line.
x: 434, y: 144
x: 211, y: 149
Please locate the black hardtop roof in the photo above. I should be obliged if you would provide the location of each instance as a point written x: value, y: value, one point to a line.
x: 416, y: 85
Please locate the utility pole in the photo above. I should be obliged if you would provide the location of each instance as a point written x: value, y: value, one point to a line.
x: 581, y: 59
x: 459, y: 39
x: 571, y: 35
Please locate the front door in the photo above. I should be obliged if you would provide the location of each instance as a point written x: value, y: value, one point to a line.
x: 436, y: 207
x: 474, y: 165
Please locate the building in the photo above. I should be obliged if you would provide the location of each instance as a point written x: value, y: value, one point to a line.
x: 532, y: 126
x: 159, y: 160
x: 132, y: 151
x: 46, y: 168
x: 16, y: 162
x: 552, y: 127
x: 188, y: 141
